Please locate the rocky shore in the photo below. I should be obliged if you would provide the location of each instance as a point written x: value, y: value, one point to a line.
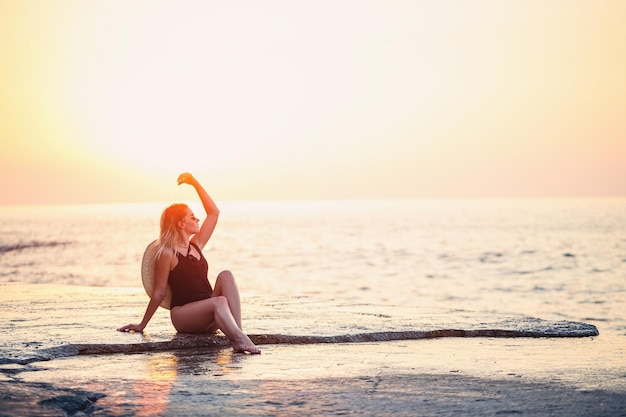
x: 61, y: 356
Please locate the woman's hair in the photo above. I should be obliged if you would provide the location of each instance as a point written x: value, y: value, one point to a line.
x: 168, y: 238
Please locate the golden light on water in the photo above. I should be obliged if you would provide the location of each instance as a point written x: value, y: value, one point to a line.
x: 152, y: 390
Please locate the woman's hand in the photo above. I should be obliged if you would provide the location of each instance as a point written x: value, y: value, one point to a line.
x: 186, y: 178
x: 131, y: 328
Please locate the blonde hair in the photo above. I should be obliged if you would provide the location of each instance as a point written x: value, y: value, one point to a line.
x: 168, y: 237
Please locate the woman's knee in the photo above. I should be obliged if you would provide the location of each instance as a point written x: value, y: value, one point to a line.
x: 225, y: 278
x: 220, y: 301
x: 226, y: 275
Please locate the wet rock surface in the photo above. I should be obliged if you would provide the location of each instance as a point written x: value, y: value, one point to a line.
x: 63, y: 357
x: 43, y: 399
x: 371, y: 380
x: 73, y: 404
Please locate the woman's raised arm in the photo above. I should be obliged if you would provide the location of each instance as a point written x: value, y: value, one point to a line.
x: 212, y: 212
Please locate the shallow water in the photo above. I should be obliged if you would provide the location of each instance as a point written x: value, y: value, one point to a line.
x: 554, y: 259
x: 469, y: 377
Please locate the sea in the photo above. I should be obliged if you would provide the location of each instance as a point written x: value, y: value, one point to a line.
x: 556, y: 259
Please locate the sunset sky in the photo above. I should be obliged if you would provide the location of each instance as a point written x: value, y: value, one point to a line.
x: 108, y: 101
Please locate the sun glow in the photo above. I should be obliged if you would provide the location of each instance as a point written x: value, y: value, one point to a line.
x: 314, y: 100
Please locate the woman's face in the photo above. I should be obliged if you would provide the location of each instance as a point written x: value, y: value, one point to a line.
x: 191, y: 223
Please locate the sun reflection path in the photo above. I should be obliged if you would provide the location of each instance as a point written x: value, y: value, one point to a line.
x: 153, y: 389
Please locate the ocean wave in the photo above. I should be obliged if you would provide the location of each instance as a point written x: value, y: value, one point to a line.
x: 491, y: 257
x: 532, y: 271
x: 31, y: 245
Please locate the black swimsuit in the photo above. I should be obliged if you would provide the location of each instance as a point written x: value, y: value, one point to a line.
x: 188, y: 279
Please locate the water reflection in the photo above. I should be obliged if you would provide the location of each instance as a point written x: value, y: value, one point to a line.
x: 209, y: 362
x: 153, y: 389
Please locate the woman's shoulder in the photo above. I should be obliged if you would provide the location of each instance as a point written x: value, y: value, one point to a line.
x: 166, y: 260
x: 165, y: 254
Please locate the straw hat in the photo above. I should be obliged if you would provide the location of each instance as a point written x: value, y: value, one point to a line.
x: 147, y: 274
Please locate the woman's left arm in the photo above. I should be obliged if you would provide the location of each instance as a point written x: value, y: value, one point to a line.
x: 212, y: 212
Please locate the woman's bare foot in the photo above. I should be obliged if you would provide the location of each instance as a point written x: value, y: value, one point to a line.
x: 246, y: 346
x: 253, y: 350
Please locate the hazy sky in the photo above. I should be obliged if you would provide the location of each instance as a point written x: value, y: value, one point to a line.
x: 107, y: 101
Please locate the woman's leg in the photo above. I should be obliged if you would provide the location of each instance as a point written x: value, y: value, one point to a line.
x: 205, y: 315
x: 226, y: 286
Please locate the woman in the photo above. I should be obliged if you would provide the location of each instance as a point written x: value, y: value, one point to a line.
x: 195, y: 306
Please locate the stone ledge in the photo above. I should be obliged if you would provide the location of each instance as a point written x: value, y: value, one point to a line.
x: 48, y: 321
